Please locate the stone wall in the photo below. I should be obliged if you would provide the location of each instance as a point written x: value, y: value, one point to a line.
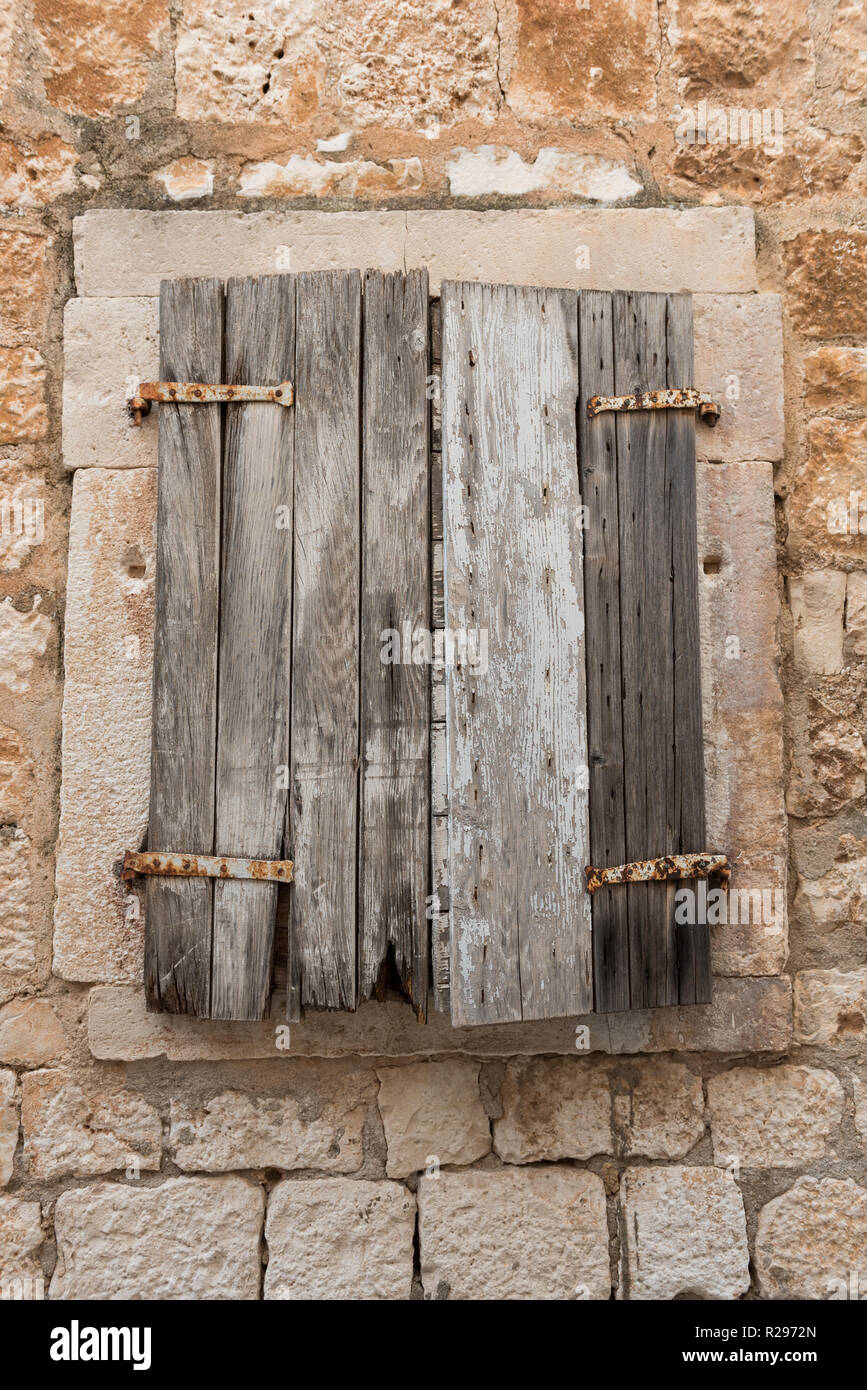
x: 719, y: 1155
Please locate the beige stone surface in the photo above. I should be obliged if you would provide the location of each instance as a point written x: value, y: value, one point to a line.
x: 24, y: 637
x: 826, y: 282
x: 237, y: 1130
x: 856, y: 615
x: 16, y: 774
x: 70, y: 1131
x: 657, y: 1108
x: 706, y: 250
x: 474, y: 173
x: 98, y: 922
x: 188, y: 1238
x: 109, y: 346
x: 836, y: 379
x: 738, y: 356
x: 20, y: 1239
x: 187, y: 178
x: 98, y: 56
x: 31, y: 1034
x: 8, y: 1123
x: 741, y: 54
x: 750, y: 1015
x: 828, y: 506
x: 22, y: 512
x: 684, y: 1233
x: 818, y: 602
x: 831, y: 1008
x: 432, y: 1112
x: 22, y: 285
x: 17, y: 941
x: 23, y: 415
x: 742, y: 706
x: 583, y: 62
x: 510, y: 1233
x: 553, y: 1108
x: 405, y: 64
x: 812, y: 1239
x: 339, y: 1239
x: 777, y: 1117
x: 783, y: 162
x: 306, y: 176
x: 32, y: 174
x: 828, y: 761
x: 832, y: 908
x: 860, y: 1094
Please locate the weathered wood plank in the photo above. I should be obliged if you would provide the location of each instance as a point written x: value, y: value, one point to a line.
x: 686, y: 811
x: 647, y: 668
x: 395, y: 599
x: 180, y: 911
x: 323, y: 815
x: 255, y: 635
x: 518, y: 831
x: 598, y: 460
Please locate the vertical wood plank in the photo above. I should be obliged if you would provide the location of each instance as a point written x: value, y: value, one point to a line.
x: 395, y: 600
x: 644, y: 498
x: 686, y: 810
x: 325, y: 657
x: 180, y: 911
x: 518, y: 832
x: 598, y: 458
x: 255, y: 634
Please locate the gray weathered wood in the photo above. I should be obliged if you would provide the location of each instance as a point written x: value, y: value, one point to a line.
x: 180, y: 911
x: 686, y: 810
x: 518, y: 831
x: 323, y: 813
x: 598, y: 457
x: 395, y: 599
x: 255, y: 633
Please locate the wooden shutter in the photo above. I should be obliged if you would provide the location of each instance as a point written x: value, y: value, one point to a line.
x: 288, y: 541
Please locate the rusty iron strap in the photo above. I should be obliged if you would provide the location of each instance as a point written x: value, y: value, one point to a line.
x: 204, y: 866
x: 676, y: 398
x: 201, y: 393
x: 668, y: 866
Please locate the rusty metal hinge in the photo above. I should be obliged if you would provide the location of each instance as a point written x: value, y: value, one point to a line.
x: 702, y: 865
x: 674, y: 398
x: 202, y: 393
x: 173, y: 865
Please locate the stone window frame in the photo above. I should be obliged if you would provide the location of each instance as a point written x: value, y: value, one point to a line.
x: 111, y: 341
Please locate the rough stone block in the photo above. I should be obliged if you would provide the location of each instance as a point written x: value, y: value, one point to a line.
x: 339, y: 1239
x: 8, y: 1124
x: 69, y: 1131
x: 109, y: 346
x: 432, y: 1111
x: 509, y: 1233
x: 818, y: 604
x: 683, y: 1233
x: 189, y: 1238
x: 831, y: 1008
x: 20, y: 1239
x: 812, y: 1240
x: 738, y: 356
x: 23, y: 415
x: 17, y: 938
x: 30, y: 1033
x: 775, y: 1117
x: 826, y: 282
x: 553, y: 1108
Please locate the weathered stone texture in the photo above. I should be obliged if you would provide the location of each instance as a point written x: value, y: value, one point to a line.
x: 339, y: 1239
x: 8, y: 1124
x: 23, y: 416
x: 510, y: 1234
x: 775, y: 1117
x: 69, y: 1131
x: 836, y: 379
x: 98, y: 53
x: 553, y: 1108
x: 16, y: 775
x: 109, y: 346
x: 812, y: 1239
x: 739, y: 358
x: 826, y: 282
x: 30, y: 1033
x: 658, y: 1108
x: 474, y: 173
x: 24, y: 636
x: 22, y: 513
x: 33, y: 175
x: 188, y: 1238
x: 236, y: 1130
x: 306, y: 176
x: 582, y: 63
x: 818, y: 601
x: 684, y: 1233
x: 17, y: 940
x: 406, y: 64
x: 23, y: 287
x: 831, y: 1008
x: 432, y: 1111
x: 98, y: 922
x: 828, y: 761
x: 833, y: 908
x: 187, y: 178
x: 741, y: 53
x: 20, y: 1239
x: 828, y: 506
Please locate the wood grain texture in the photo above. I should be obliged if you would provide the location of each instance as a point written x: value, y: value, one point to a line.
x: 180, y: 911
x: 646, y: 640
x: 395, y: 613
x: 687, y: 809
x: 518, y: 826
x: 323, y: 813
x: 255, y: 636
x: 598, y: 458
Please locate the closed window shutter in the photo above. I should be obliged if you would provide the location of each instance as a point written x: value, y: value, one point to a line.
x: 296, y: 588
